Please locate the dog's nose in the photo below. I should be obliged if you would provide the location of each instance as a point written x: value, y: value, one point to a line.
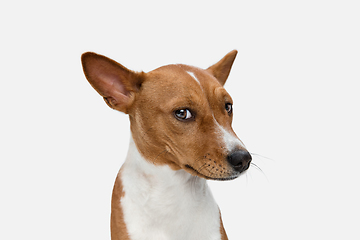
x: 240, y: 160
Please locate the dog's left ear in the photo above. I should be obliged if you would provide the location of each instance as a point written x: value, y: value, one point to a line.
x: 221, y: 69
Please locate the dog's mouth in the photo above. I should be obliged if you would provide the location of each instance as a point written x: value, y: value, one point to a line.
x: 196, y: 172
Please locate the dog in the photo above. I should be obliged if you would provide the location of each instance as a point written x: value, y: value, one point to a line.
x: 181, y: 135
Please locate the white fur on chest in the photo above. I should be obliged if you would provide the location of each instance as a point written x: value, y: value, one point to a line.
x: 163, y: 204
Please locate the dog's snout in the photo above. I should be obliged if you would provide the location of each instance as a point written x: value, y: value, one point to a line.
x: 240, y: 160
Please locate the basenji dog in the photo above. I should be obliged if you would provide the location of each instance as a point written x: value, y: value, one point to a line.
x: 181, y: 135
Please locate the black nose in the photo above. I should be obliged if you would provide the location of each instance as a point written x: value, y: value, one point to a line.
x: 240, y: 160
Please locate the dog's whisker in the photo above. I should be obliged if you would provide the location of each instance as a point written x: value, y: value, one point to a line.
x: 259, y: 169
x: 201, y: 168
x: 258, y: 155
x: 144, y: 134
x: 159, y: 155
x: 247, y: 179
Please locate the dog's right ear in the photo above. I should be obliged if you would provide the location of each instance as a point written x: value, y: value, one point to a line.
x: 115, y: 83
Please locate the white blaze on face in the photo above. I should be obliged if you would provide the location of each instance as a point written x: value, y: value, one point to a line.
x: 231, y: 141
x: 194, y: 77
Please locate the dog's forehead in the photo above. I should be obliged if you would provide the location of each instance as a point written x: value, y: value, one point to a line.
x: 182, y: 77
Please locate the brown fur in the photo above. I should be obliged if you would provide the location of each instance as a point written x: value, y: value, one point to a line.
x: 117, y: 224
x: 162, y: 139
x: 222, y: 230
x: 151, y: 99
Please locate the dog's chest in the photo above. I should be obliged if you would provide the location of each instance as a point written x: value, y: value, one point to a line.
x: 162, y: 204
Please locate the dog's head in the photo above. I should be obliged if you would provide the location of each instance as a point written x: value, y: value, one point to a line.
x: 180, y: 115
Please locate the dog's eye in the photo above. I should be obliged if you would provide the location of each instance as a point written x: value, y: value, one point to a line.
x: 183, y: 114
x: 229, y: 108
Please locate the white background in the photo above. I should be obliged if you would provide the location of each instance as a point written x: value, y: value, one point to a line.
x: 295, y: 84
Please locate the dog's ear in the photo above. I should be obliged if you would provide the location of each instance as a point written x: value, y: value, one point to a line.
x: 115, y: 83
x: 221, y: 69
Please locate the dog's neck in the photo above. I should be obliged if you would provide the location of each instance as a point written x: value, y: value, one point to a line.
x: 159, y: 177
x: 158, y: 200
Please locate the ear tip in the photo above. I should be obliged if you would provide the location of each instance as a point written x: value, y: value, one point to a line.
x: 87, y: 55
x: 233, y: 52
